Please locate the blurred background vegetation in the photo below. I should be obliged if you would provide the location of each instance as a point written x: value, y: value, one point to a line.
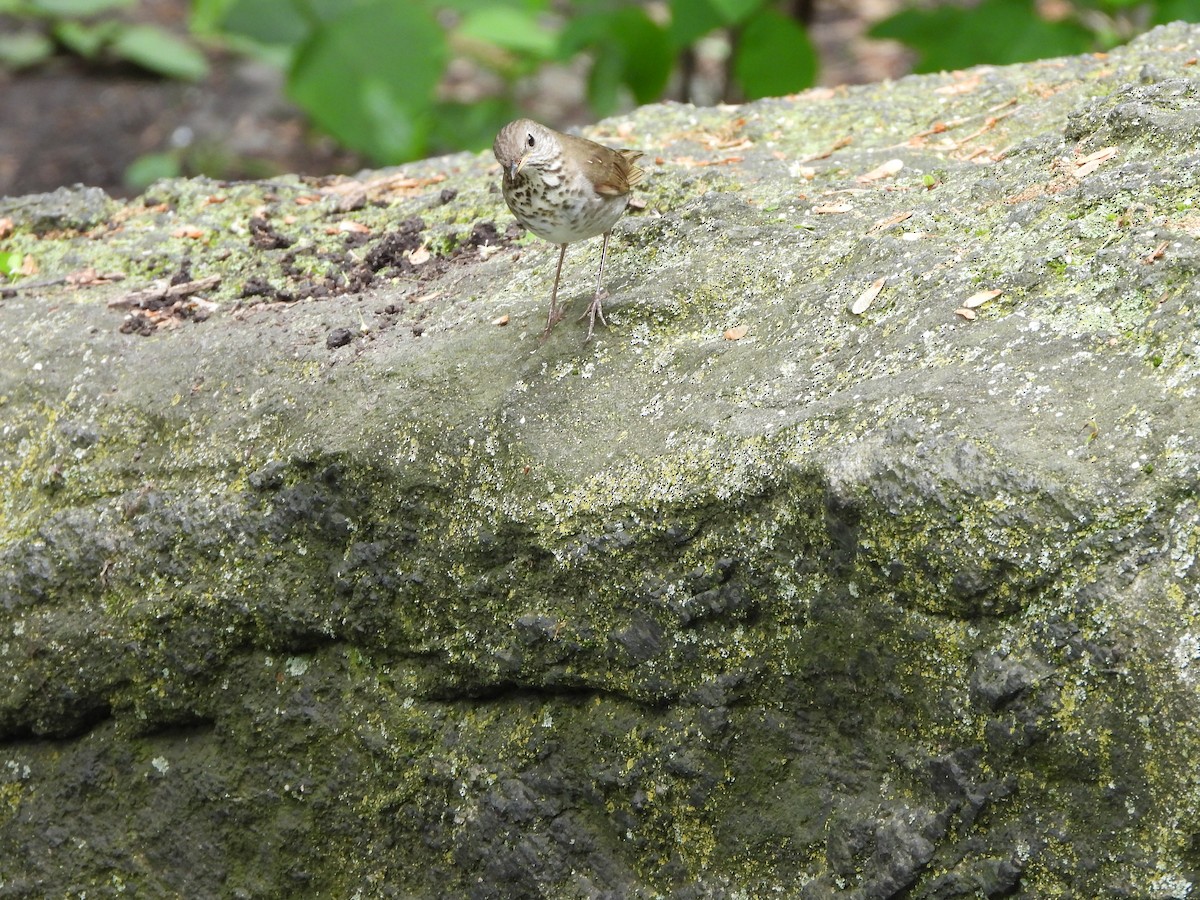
x: 388, y: 81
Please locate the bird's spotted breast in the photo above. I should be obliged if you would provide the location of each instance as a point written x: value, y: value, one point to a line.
x: 560, y: 213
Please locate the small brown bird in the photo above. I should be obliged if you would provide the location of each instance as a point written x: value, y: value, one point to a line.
x: 565, y: 189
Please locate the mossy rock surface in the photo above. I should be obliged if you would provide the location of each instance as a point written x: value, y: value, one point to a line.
x: 317, y: 580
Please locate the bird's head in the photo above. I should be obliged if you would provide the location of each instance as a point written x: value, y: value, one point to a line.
x: 524, y: 144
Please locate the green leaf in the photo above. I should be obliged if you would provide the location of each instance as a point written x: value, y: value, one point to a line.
x: 9, y: 263
x: 322, y: 11
x: 647, y: 54
x: 629, y: 49
x: 147, y: 169
x: 470, y: 126
x: 159, y: 51
x: 773, y: 56
x: 76, y: 8
x: 355, y: 82
x: 207, y: 16
x: 268, y: 22
x: 24, y: 49
x: 85, y: 40
x: 582, y: 32
x: 735, y: 11
x: 471, y: 6
x: 513, y: 29
x: 996, y: 31
x: 1176, y: 11
x: 691, y: 20
x: 604, y: 84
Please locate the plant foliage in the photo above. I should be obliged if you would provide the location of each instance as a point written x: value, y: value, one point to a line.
x: 90, y: 29
x: 953, y: 36
x: 378, y: 75
x: 373, y: 72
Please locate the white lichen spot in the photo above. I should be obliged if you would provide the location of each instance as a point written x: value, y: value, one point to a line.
x: 1170, y: 887
x: 654, y: 407
x: 1021, y: 850
x: 160, y: 764
x: 296, y: 666
x: 1187, y: 648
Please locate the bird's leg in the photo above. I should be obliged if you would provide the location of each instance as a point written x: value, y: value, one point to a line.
x: 555, y: 313
x: 597, y: 307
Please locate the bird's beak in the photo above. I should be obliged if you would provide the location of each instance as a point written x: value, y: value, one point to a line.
x: 516, y: 167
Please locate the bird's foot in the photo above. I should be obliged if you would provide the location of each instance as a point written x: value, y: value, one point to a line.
x: 556, y: 316
x: 593, y: 312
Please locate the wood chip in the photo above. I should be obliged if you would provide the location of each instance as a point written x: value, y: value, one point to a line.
x: 885, y: 170
x: 163, y: 290
x: 6, y: 227
x: 867, y: 297
x: 736, y: 333
x: 892, y: 220
x: 1156, y: 254
x: 353, y: 193
x: 690, y: 162
x: 968, y: 314
x: 403, y: 184
x: 89, y: 276
x: 964, y: 86
x: 189, y: 231
x: 500, y: 320
x: 419, y: 255
x: 829, y: 151
x: 727, y: 137
x: 1090, y: 163
x: 981, y: 297
x: 935, y: 128
x: 821, y: 93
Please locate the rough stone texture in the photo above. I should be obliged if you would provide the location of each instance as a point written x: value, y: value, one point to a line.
x: 895, y: 604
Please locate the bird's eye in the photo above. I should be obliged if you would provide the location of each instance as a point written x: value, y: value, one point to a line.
x: 529, y: 140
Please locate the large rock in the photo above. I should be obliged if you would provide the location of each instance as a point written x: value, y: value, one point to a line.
x: 342, y: 589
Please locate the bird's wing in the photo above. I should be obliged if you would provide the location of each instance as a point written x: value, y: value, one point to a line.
x: 611, y: 172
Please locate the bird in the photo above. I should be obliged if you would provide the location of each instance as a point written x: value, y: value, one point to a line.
x: 565, y: 189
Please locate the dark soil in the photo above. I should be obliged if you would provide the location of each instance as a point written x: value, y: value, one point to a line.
x: 68, y: 123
